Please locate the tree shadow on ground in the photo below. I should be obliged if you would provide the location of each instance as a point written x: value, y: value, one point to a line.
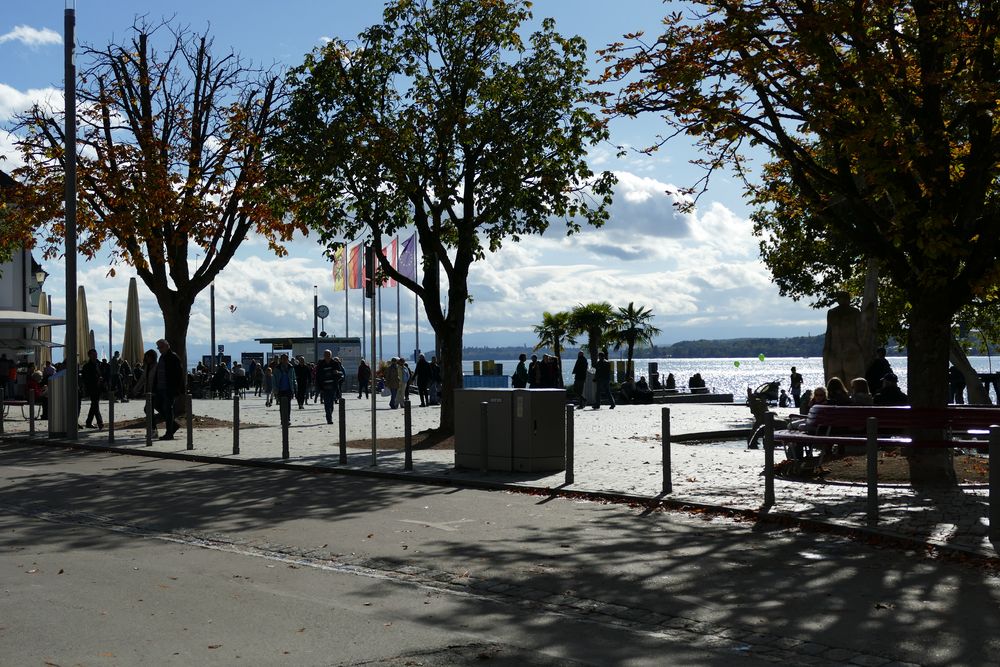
x: 713, y: 574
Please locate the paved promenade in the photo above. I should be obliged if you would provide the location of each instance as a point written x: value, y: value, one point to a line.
x: 617, y: 451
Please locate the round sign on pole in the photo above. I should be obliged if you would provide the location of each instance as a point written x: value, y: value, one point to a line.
x: 322, y: 312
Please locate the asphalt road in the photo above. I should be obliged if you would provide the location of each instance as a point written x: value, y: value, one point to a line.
x: 117, y: 560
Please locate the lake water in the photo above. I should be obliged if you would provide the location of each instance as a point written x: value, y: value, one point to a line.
x: 724, y: 376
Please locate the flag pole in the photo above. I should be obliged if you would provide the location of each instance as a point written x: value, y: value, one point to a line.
x: 399, y: 335
x: 347, y: 303
x: 378, y: 295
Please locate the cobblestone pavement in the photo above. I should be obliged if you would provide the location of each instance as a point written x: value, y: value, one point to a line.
x: 616, y: 451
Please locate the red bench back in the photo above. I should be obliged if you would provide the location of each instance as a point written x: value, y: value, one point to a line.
x: 902, y: 417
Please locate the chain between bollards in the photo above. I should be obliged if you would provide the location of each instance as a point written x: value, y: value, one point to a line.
x: 31, y: 412
x: 190, y: 421
x: 871, y: 472
x: 236, y: 423
x: 149, y: 419
x: 484, y: 435
x: 407, y: 436
x: 668, y: 484
x: 343, y: 431
x: 569, y: 443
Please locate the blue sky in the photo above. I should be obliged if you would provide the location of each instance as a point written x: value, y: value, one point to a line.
x: 699, y: 272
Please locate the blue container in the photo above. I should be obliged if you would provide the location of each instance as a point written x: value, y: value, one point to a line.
x: 488, y: 381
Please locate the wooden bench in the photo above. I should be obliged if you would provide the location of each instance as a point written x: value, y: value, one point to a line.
x: 17, y: 403
x: 827, y: 427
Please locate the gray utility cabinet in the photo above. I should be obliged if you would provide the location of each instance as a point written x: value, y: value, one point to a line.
x: 526, y: 429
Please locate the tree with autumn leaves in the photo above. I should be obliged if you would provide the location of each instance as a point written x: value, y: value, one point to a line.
x: 880, y: 115
x: 445, y: 118
x: 170, y: 163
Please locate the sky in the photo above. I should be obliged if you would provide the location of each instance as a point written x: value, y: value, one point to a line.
x: 699, y: 272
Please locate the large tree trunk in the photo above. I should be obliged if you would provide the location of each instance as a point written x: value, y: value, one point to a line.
x: 176, y: 309
x: 450, y: 341
x: 927, y: 386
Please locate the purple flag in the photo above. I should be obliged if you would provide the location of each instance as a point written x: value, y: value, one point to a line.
x: 408, y: 258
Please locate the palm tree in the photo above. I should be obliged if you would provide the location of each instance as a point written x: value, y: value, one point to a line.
x: 553, y: 332
x: 633, y: 327
x: 593, y: 319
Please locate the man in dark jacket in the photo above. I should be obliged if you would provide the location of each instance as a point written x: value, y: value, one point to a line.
x: 302, y: 377
x: 168, y: 384
x: 327, y: 381
x: 580, y: 376
x: 423, y: 373
x: 91, y: 374
x: 602, y: 381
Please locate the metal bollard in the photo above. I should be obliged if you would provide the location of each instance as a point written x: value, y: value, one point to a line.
x: 668, y: 484
x: 569, y: 443
x: 484, y: 435
x: 111, y: 416
x: 189, y: 418
x: 407, y: 436
x: 871, y: 473
x: 768, y: 459
x: 31, y: 412
x: 3, y: 408
x: 149, y: 419
x: 284, y: 426
x: 236, y: 423
x: 343, y: 432
x: 994, y: 510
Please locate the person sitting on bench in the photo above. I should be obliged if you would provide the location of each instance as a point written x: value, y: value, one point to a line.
x: 40, y: 393
x: 642, y: 393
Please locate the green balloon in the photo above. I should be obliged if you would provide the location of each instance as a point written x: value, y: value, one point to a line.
x: 761, y: 356
x: 736, y: 363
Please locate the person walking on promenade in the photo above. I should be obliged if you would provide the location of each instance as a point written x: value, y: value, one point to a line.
x: 519, y: 380
x: 91, y: 373
x: 327, y: 382
x: 301, y: 381
x: 284, y: 382
x: 268, y: 386
x: 169, y: 384
x: 393, y: 378
x: 956, y: 386
x: 258, y: 379
x: 795, y: 385
x: 580, y: 377
x: 423, y: 373
x: 602, y: 381
x: 434, y: 391
x: 364, y: 378
x: 534, y: 372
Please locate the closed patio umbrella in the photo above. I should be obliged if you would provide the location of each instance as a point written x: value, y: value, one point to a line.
x: 82, y: 326
x: 132, y: 344
x: 43, y: 353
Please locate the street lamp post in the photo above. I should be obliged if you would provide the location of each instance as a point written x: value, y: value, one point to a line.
x: 315, y: 324
x: 211, y: 351
x: 70, y: 357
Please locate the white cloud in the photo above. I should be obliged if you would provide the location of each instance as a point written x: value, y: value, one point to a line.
x: 33, y: 37
x: 13, y: 101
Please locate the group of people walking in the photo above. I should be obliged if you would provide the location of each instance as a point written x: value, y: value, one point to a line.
x: 398, y: 380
